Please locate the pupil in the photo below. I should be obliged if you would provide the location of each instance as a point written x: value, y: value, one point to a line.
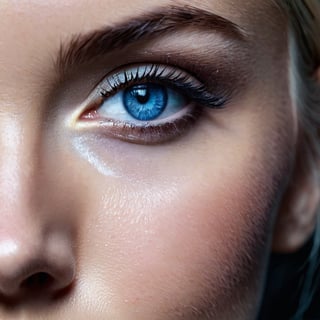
x: 142, y: 95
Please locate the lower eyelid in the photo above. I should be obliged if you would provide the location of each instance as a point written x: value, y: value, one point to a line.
x: 150, y: 134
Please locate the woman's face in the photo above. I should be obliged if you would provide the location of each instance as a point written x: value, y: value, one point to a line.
x: 141, y: 163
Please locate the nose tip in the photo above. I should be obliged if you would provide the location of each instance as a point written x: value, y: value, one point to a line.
x: 28, y: 270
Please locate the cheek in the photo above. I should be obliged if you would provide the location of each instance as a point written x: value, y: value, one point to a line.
x: 176, y: 239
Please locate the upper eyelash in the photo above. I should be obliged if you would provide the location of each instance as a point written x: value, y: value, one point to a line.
x: 176, y: 79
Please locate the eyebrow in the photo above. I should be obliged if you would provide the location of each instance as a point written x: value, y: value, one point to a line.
x: 84, y: 48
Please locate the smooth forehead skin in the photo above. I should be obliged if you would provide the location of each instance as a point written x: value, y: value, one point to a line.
x: 176, y: 230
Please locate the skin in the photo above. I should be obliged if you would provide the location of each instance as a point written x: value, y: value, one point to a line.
x: 177, y: 230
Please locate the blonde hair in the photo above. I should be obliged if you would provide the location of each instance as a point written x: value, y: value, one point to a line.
x: 304, y: 19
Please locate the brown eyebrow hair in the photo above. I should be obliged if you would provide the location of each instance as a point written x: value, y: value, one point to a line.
x: 84, y: 48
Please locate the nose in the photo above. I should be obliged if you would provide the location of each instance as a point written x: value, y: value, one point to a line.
x: 35, y: 266
x: 36, y: 248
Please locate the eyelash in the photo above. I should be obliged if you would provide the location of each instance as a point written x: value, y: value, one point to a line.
x: 153, y: 132
x: 176, y: 79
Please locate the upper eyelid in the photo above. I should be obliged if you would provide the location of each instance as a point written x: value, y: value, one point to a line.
x: 88, y: 47
x: 226, y: 69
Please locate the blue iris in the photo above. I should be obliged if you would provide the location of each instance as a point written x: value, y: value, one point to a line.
x: 145, y: 102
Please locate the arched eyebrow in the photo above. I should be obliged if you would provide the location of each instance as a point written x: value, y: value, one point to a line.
x: 84, y: 48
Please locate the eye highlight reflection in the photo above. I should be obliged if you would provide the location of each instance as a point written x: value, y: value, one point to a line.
x: 148, y: 104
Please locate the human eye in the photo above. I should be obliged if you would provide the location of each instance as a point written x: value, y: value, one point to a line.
x: 148, y: 104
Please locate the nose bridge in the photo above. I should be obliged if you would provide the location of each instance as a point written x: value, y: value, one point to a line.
x: 20, y: 222
x: 19, y: 163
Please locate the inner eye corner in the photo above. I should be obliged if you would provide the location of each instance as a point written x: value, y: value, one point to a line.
x: 89, y: 110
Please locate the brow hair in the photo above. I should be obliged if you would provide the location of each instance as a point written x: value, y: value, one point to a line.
x: 83, y: 48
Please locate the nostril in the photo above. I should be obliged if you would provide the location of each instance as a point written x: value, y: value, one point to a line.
x: 37, y: 270
x: 37, y: 282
